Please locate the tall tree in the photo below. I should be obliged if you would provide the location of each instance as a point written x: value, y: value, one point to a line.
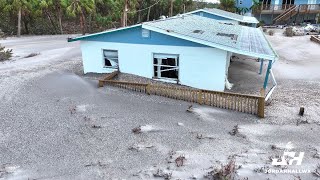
x: 79, y: 8
x: 21, y: 7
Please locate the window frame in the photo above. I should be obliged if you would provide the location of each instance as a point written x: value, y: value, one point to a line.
x: 176, y: 67
x: 103, y: 59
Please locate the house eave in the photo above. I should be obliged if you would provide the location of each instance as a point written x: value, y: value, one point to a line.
x: 100, y: 33
x: 210, y: 44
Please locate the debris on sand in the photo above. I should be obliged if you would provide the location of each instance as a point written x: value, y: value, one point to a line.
x: 31, y: 55
x: 96, y: 164
x: 235, y: 132
x: 316, y: 155
x: 201, y: 136
x: 73, y: 109
x: 190, y: 109
x: 96, y: 126
x: 262, y: 169
x: 301, y: 121
x: 180, y: 124
x: 317, y: 171
x: 136, y: 130
x: 86, y: 118
x: 162, y: 174
x: 139, y: 147
x: 180, y: 160
x: 274, y: 147
x: 227, y: 171
x: 145, y: 128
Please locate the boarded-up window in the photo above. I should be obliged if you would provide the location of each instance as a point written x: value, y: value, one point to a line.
x: 110, y: 58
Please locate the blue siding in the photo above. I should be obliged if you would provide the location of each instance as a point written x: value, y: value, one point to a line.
x: 134, y: 36
x: 245, y: 3
x: 211, y: 16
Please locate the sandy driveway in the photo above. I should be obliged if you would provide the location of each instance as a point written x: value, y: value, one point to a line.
x: 56, y: 124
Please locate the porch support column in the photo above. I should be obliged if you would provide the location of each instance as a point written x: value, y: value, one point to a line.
x: 267, y: 75
x: 261, y: 65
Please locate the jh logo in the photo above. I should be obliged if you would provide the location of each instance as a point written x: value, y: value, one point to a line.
x: 283, y: 162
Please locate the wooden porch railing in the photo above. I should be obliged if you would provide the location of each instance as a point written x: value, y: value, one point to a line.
x: 238, y: 102
x: 283, y: 7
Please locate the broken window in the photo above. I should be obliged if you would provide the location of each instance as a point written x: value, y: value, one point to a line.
x: 166, y: 66
x: 110, y: 58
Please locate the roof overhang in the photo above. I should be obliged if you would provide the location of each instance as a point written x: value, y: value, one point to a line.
x: 211, y: 44
x: 101, y: 33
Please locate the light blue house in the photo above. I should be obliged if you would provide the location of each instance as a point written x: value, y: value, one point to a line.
x: 286, y: 11
x: 188, y: 49
x: 222, y: 15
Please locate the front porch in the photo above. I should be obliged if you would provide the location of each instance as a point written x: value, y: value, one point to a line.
x: 287, y: 13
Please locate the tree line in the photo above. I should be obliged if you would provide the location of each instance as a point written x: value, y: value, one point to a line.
x: 85, y: 16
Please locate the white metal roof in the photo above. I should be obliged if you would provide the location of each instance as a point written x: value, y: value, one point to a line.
x: 228, y: 15
x: 227, y: 36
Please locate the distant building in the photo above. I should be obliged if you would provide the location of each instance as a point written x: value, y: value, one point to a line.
x: 188, y: 49
x: 221, y: 15
x: 284, y: 11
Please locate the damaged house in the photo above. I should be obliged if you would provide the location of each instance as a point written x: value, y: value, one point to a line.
x: 187, y: 49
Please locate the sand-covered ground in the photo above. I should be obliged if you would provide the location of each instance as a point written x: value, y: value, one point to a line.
x: 56, y: 123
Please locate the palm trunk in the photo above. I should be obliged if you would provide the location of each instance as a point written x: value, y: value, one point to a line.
x: 82, y: 23
x: 171, y: 8
x: 124, y: 23
x: 51, y: 21
x: 60, y: 20
x: 148, y: 17
x: 19, y: 23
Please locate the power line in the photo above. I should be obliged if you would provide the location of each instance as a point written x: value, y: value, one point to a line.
x: 146, y: 8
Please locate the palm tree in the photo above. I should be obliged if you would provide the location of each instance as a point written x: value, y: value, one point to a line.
x: 79, y: 8
x: 22, y: 7
x: 227, y: 5
x: 256, y: 6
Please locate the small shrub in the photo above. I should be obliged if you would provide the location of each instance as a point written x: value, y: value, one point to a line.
x: 265, y: 29
x: 271, y: 32
x: 5, y: 54
x: 227, y: 171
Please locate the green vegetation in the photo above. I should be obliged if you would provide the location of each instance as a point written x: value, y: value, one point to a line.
x: 5, y: 54
x: 227, y: 5
x: 85, y: 16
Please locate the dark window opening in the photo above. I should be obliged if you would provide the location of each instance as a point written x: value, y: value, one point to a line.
x: 166, y: 66
x: 110, y: 58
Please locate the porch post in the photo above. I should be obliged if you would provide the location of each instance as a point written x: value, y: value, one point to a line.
x: 267, y: 75
x: 261, y: 65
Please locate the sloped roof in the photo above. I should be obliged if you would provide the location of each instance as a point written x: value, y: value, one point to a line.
x: 213, y: 33
x: 228, y: 15
x: 227, y: 36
